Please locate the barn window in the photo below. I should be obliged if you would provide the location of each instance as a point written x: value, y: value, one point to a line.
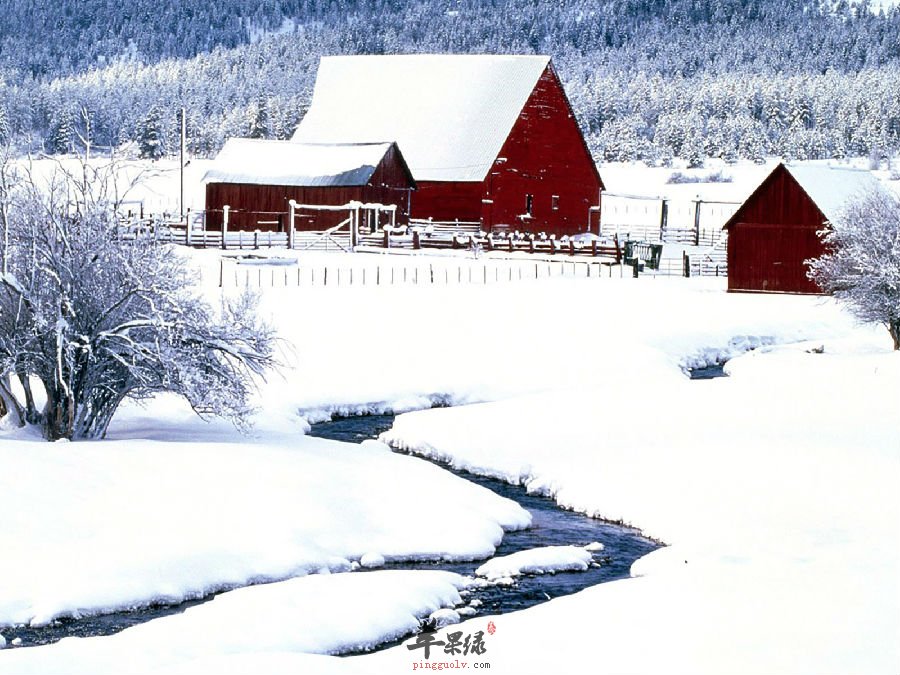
x: 554, y: 202
x: 529, y: 204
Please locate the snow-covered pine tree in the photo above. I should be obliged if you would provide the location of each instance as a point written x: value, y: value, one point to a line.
x: 150, y: 135
x: 62, y: 132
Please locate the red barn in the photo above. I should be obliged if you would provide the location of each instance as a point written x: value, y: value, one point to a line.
x: 487, y: 138
x: 257, y: 179
x: 775, y: 230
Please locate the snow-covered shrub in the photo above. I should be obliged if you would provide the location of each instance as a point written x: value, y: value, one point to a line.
x: 862, y: 267
x: 97, y: 315
x: 677, y: 177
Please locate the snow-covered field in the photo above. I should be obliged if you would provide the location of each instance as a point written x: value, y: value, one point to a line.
x: 774, y: 488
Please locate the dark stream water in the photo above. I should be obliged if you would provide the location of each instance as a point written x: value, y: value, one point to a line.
x: 708, y: 372
x: 551, y: 526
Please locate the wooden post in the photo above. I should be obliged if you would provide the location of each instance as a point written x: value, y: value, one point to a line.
x: 256, y: 239
x: 417, y: 244
x: 187, y: 228
x: 697, y: 203
x: 686, y: 264
x: 225, y: 210
x: 221, y: 272
x: 292, y: 206
x: 663, y: 218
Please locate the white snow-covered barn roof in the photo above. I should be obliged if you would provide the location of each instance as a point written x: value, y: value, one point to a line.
x: 451, y: 121
x: 262, y: 162
x: 831, y: 188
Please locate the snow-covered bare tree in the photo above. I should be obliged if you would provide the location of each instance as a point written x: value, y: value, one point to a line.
x: 862, y: 266
x: 96, y: 315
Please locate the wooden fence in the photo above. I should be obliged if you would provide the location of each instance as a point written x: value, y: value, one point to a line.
x: 445, y: 272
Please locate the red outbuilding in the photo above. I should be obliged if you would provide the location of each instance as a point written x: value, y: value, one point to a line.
x: 257, y: 180
x: 774, y: 231
x: 488, y: 138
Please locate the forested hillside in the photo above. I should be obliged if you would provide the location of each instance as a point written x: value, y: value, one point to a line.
x: 649, y: 79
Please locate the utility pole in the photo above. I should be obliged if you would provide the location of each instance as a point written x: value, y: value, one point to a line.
x: 181, y: 162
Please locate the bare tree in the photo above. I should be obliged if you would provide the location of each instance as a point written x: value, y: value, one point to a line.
x: 862, y: 266
x: 97, y: 314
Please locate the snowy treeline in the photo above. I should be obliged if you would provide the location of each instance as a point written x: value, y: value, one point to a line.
x: 649, y: 79
x: 740, y: 116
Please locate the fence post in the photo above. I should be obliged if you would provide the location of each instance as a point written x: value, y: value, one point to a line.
x: 290, y: 228
x: 663, y: 218
x: 354, y: 227
x: 697, y: 203
x: 686, y: 264
x: 256, y: 239
x: 225, y: 210
x: 221, y: 272
x: 417, y: 244
x: 187, y: 228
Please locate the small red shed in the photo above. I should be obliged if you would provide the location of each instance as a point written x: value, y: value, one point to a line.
x: 257, y: 179
x: 774, y: 231
x: 488, y: 138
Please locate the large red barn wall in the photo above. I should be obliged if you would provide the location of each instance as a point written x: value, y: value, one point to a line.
x: 447, y: 201
x: 772, y: 235
x: 250, y: 204
x: 545, y: 156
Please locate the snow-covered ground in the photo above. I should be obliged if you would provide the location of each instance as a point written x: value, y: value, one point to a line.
x: 775, y: 488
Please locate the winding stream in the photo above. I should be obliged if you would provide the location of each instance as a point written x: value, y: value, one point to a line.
x: 551, y: 526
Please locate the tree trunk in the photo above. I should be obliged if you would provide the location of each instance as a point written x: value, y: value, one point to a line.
x: 894, y: 330
x: 32, y: 416
x: 8, y: 403
x: 58, y: 416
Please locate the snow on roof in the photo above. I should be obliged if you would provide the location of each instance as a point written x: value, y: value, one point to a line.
x: 832, y: 187
x: 454, y: 114
x: 262, y: 162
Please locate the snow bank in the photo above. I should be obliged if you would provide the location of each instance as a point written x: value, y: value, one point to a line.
x: 321, y: 614
x: 93, y: 527
x: 544, y: 560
